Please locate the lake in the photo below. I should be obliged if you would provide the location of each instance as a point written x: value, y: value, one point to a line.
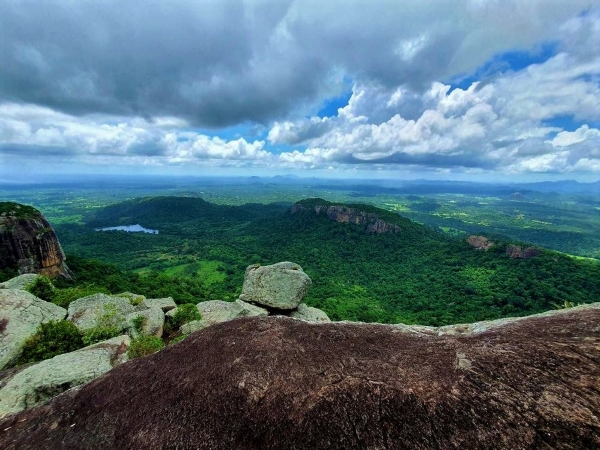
x: 130, y: 229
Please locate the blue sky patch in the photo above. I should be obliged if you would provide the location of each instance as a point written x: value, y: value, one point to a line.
x: 568, y: 123
x: 514, y: 61
x: 331, y: 105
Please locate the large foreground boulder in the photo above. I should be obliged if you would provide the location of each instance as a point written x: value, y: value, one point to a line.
x: 42, y: 381
x: 20, y: 315
x: 280, y: 286
x: 279, y: 383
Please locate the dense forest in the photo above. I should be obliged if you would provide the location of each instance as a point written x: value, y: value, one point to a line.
x: 416, y: 276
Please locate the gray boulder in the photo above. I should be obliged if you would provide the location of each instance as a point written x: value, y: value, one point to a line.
x: 90, y: 311
x: 166, y: 304
x: 20, y: 315
x: 309, y: 314
x: 20, y: 282
x: 217, y: 311
x: 42, y: 381
x: 153, y: 324
x: 134, y: 299
x: 281, y: 286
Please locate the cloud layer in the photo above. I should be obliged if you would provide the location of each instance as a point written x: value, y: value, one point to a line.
x: 143, y: 82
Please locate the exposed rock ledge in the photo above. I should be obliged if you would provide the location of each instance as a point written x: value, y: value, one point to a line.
x: 341, y: 213
x: 274, y: 382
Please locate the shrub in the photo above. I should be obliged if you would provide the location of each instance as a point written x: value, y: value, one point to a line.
x: 138, y: 323
x: 109, y: 326
x: 42, y: 288
x: 134, y: 299
x: 51, y: 339
x: 144, y: 345
x: 183, y: 314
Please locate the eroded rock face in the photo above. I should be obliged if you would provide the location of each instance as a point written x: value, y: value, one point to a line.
x: 281, y: 286
x: 516, y: 251
x: 20, y: 315
x: 42, y: 381
x: 28, y: 242
x: 274, y: 382
x: 480, y: 242
x: 345, y: 214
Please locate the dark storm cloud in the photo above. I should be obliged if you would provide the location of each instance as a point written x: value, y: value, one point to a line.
x: 224, y: 62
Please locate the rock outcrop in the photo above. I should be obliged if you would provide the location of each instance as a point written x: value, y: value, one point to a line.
x: 20, y: 282
x: 341, y: 213
x: 20, y: 315
x: 217, y: 311
x: 28, y: 242
x: 517, y: 252
x: 281, y: 286
x: 166, y: 304
x: 39, y: 382
x: 152, y: 323
x: 309, y: 314
x: 480, y: 242
x: 273, y: 382
x: 88, y: 312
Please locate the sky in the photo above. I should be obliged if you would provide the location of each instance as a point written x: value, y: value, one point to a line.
x: 471, y: 90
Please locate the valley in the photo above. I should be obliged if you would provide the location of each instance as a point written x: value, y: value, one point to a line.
x: 209, y: 232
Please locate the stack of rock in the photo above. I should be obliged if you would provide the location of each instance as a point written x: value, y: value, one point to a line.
x: 276, y: 290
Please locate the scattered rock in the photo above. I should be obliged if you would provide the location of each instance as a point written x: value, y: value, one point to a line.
x: 281, y: 286
x: 42, y: 381
x: 309, y: 314
x: 273, y: 382
x: 154, y: 321
x: 28, y: 242
x: 166, y: 304
x: 20, y: 282
x: 87, y: 312
x: 217, y: 311
x: 20, y: 315
x: 480, y: 242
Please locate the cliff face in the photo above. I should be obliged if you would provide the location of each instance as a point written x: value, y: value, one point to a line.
x: 346, y: 214
x: 517, y: 252
x: 279, y: 383
x: 28, y: 242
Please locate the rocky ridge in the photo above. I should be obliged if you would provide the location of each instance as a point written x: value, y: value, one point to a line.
x: 274, y: 382
x: 345, y: 214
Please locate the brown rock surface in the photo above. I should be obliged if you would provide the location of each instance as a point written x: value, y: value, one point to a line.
x: 278, y: 383
x: 517, y: 252
x: 345, y: 214
x: 28, y: 242
x: 480, y: 242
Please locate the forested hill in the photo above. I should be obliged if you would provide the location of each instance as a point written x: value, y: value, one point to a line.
x: 360, y: 271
